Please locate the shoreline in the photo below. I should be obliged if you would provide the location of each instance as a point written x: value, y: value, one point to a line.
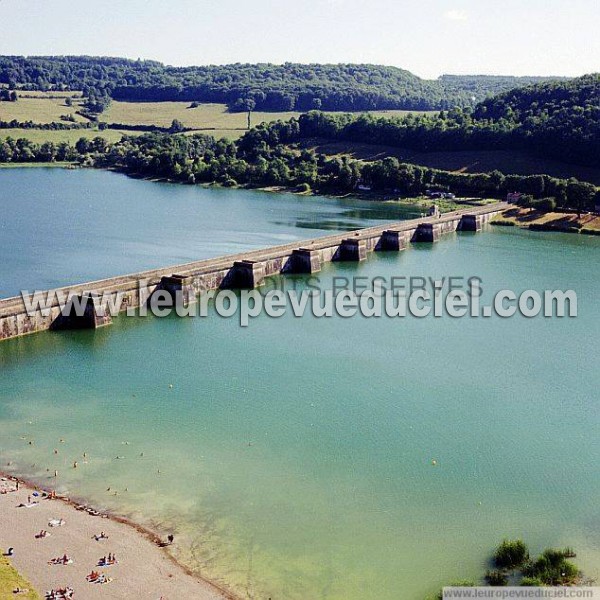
x: 553, y: 222
x: 185, y: 579
x: 422, y: 202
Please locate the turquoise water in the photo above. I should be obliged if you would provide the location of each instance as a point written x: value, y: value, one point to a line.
x: 295, y: 455
x: 76, y: 226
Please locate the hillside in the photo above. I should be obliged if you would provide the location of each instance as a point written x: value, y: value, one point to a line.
x: 266, y: 87
x: 559, y: 120
x: 480, y: 87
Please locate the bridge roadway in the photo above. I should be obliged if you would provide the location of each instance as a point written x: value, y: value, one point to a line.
x: 246, y: 269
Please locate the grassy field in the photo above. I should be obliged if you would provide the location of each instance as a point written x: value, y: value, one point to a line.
x: 212, y: 119
x: 208, y: 118
x: 39, y: 110
x: 39, y: 136
x: 10, y: 580
x: 466, y: 161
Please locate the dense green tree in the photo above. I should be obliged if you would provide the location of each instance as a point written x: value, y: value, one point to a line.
x: 511, y: 554
x: 552, y: 568
x: 176, y: 126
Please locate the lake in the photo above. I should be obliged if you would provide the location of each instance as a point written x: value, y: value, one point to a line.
x: 77, y: 226
x: 293, y: 458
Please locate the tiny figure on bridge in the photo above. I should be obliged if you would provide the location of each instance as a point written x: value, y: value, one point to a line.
x: 434, y: 211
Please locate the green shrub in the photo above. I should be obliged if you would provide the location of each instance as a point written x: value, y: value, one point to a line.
x: 525, y: 200
x: 544, y: 205
x: 303, y: 188
x: 496, y: 578
x: 531, y: 582
x: 229, y: 182
x: 552, y: 568
x: 511, y: 554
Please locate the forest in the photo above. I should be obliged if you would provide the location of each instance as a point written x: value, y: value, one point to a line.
x: 264, y: 87
x: 555, y: 120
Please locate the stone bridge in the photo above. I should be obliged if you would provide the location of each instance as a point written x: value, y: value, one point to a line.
x: 240, y: 271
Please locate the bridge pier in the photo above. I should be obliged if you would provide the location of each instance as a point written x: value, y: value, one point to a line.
x: 303, y: 260
x: 471, y: 223
x: 244, y: 275
x: 174, y: 285
x: 427, y: 232
x: 352, y: 250
x: 89, y: 317
x: 393, y: 241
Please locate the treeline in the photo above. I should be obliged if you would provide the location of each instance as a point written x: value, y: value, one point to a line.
x: 8, y: 95
x: 266, y: 87
x: 262, y: 157
x: 482, y: 86
x: 175, y: 127
x: 560, y: 120
x: 54, y: 126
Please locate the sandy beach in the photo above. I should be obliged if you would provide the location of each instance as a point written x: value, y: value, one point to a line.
x: 143, y: 569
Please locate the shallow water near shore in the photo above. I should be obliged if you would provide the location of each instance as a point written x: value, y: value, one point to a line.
x: 293, y: 458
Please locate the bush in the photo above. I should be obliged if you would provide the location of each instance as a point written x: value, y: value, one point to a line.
x: 303, y: 188
x: 552, y: 568
x: 497, y: 578
x: 525, y: 200
x: 531, y: 582
x: 229, y: 182
x: 176, y: 126
x: 511, y: 554
x: 545, y: 204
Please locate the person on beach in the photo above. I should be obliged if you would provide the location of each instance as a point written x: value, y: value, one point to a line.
x: 170, y: 537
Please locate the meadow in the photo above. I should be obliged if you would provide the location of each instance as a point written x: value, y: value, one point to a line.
x: 46, y: 108
x: 40, y: 136
x: 213, y: 119
x: 210, y: 118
